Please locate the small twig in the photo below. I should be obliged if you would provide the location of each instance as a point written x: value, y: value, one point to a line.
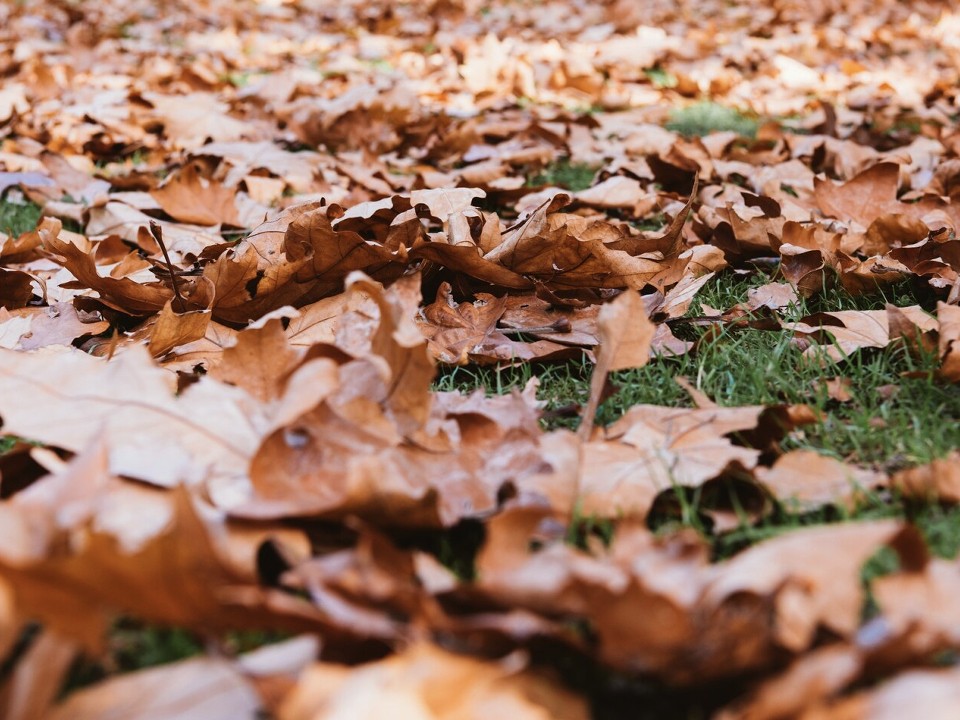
x: 560, y: 326
x: 696, y: 320
x: 157, y: 233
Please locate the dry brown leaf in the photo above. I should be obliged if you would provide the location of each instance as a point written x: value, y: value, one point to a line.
x: 209, y: 431
x: 185, y: 243
x: 193, y: 119
x: 868, y: 196
x: 172, y: 329
x: 804, y: 480
x: 256, y: 276
x: 121, y: 294
x: 462, y: 333
x: 652, y: 449
x: 455, y: 467
x: 773, y: 296
x: 948, y: 317
x: 836, y: 388
x: 845, y: 331
x: 200, y: 687
x: 810, y: 582
x: 259, y: 361
x: 188, y: 197
x: 84, y: 546
x: 937, y: 480
x: 928, y: 693
x: 625, y: 334
x: 59, y: 324
x: 426, y: 683
x: 31, y: 689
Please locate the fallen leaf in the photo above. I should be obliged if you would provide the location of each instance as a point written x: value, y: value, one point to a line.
x: 211, y: 687
x: 625, y: 334
x: 804, y: 480
x: 937, y: 480
x: 188, y: 197
x: 426, y: 682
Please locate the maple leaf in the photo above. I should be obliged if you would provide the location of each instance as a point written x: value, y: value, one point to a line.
x: 209, y: 431
x: 133, y: 549
x: 121, y: 294
x: 868, y: 196
x: 460, y: 333
x: 190, y: 198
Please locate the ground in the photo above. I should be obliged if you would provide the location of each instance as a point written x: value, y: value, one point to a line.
x: 305, y: 307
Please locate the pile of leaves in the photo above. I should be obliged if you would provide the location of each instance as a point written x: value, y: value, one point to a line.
x: 265, y: 227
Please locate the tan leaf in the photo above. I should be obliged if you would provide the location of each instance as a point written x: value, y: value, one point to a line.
x: 937, y: 480
x: 259, y: 361
x: 173, y: 329
x: 30, y: 690
x: 804, y: 479
x: 200, y: 687
x: 190, y: 120
x: 949, y: 343
x: 137, y: 550
x: 868, y: 196
x: 652, y: 449
x: 812, y: 583
x: 625, y: 335
x: 426, y: 683
x: 154, y: 436
x: 188, y: 197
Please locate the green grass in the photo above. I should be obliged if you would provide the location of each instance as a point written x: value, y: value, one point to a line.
x: 706, y: 117
x: 16, y: 218
x: 566, y: 174
x: 655, y: 222
x: 562, y: 386
x: 741, y: 366
x: 661, y: 78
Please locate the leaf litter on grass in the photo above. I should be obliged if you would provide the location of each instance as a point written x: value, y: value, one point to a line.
x: 232, y: 314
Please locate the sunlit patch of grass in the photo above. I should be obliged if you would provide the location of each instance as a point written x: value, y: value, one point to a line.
x: 661, y: 78
x: 566, y: 174
x: 741, y: 366
x: 706, y: 117
x: 17, y: 218
x: 563, y: 387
